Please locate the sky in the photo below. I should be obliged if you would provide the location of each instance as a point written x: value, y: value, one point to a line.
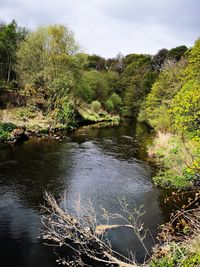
x: 109, y: 27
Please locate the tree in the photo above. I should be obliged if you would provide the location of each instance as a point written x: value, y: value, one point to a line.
x: 114, y: 103
x: 192, y: 71
x: 45, y: 54
x: 186, y: 108
x: 10, y: 37
x: 163, y: 91
x: 116, y: 64
x: 96, y: 62
x: 159, y: 59
x: 177, y: 53
x: 136, y: 80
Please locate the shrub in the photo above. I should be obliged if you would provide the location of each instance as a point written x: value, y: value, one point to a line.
x: 96, y: 105
x: 186, y: 108
x: 114, y: 103
x: 5, y: 130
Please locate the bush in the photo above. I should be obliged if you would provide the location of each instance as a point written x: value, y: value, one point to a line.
x: 114, y: 103
x: 178, y: 159
x: 96, y: 105
x: 5, y: 130
x: 186, y: 108
x: 66, y: 113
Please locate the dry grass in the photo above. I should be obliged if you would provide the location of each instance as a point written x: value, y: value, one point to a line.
x: 161, y: 142
x: 24, y: 117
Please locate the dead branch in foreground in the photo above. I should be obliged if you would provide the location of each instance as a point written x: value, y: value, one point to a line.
x: 84, y: 237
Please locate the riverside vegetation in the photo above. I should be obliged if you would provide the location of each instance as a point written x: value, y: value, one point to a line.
x: 47, y: 84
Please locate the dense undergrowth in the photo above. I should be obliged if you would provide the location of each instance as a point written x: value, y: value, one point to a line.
x: 179, y: 240
x: 172, y: 108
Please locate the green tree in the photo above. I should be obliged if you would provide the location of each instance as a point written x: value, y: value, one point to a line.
x: 159, y: 59
x: 193, y: 70
x: 177, y: 53
x: 96, y: 62
x: 185, y: 109
x: 159, y: 100
x: 45, y: 54
x: 136, y: 81
x: 10, y: 37
x: 114, y: 103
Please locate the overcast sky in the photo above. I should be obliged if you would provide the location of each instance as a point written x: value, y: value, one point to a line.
x: 107, y: 27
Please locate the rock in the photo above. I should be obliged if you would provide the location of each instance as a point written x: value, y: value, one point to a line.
x: 19, y: 135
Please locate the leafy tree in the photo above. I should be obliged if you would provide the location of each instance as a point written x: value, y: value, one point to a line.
x: 96, y: 62
x: 45, y: 54
x: 159, y: 100
x: 112, y: 80
x: 10, y: 37
x: 177, y: 53
x: 186, y: 108
x: 193, y: 70
x: 159, y: 59
x: 136, y: 81
x: 114, y: 103
x: 116, y: 64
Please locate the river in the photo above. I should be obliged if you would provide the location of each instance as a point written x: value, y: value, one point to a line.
x: 102, y: 164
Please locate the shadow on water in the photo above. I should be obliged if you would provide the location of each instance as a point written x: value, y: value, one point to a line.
x: 100, y: 163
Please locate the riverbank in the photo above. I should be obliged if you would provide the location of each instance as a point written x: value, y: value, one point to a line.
x: 178, y: 160
x: 25, y: 122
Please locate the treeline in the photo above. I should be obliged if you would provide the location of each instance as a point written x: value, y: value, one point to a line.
x: 48, y: 65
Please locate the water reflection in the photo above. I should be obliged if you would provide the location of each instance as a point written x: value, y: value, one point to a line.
x: 101, y: 164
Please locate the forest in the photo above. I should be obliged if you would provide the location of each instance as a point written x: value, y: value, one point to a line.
x: 48, y: 83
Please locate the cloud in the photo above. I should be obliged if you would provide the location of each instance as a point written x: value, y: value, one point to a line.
x: 107, y: 27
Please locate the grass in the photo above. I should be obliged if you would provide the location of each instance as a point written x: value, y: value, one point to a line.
x: 88, y: 113
x: 184, y: 254
x: 177, y: 160
x: 181, y: 248
x: 32, y: 120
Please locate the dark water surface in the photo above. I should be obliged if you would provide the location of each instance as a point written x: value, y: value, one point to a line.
x: 101, y: 164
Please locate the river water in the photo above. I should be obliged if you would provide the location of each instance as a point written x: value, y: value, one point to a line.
x: 102, y: 164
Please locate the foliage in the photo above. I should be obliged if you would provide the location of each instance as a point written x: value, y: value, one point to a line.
x: 114, y: 103
x: 96, y: 105
x: 10, y: 37
x: 177, y: 53
x: 93, y: 86
x: 45, y: 54
x: 5, y: 130
x: 185, y: 109
x: 158, y: 102
x: 178, y: 161
x: 192, y: 71
x: 159, y: 59
x: 174, y: 54
x: 96, y: 62
x: 116, y: 64
x: 180, y: 237
x: 66, y: 113
x: 136, y: 81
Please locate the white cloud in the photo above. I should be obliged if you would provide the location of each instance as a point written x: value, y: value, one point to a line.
x: 107, y: 27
